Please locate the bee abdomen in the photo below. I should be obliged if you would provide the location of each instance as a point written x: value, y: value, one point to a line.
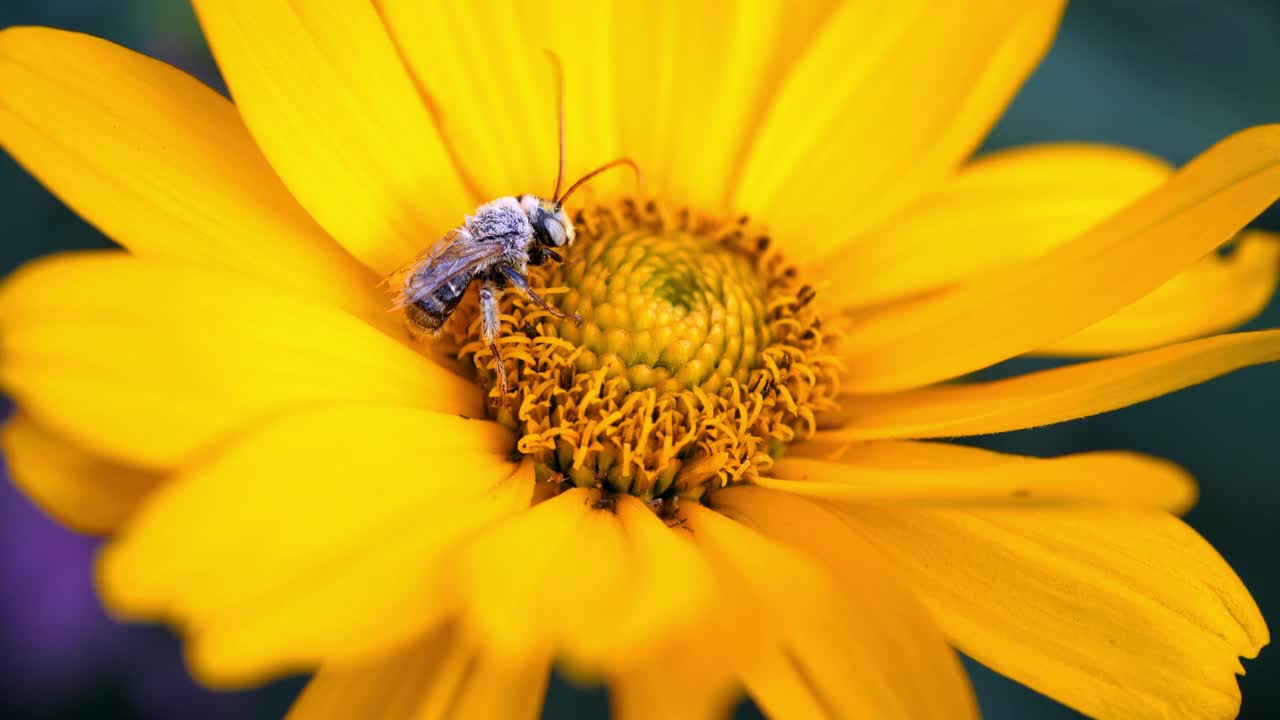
x: 424, y: 317
x: 429, y: 312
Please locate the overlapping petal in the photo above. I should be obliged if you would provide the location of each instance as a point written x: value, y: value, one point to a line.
x: 150, y: 362
x: 160, y: 163
x: 1014, y: 205
x: 319, y: 518
x: 321, y: 536
x: 321, y: 87
x: 688, y: 681
x: 999, y: 210
x: 1051, y: 396
x: 1117, y: 613
x: 1030, y: 305
x: 518, y: 580
x: 1216, y: 294
x: 832, y: 649
x: 888, y: 100
x: 473, y: 89
x: 440, y: 677
x: 81, y: 490
x: 918, y: 473
x: 671, y: 594
x: 677, y: 87
x: 693, y: 86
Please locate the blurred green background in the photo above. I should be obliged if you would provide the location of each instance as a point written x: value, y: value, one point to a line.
x: 1167, y: 76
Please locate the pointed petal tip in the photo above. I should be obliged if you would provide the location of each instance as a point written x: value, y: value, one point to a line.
x: 160, y: 163
x: 1057, y: 395
x: 1071, y: 583
x: 1033, y: 304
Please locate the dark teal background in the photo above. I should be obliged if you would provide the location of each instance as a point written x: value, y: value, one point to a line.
x: 1167, y: 76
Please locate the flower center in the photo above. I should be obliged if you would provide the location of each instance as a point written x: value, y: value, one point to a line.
x: 700, y: 356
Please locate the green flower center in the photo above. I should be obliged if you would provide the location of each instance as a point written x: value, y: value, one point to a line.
x: 668, y: 311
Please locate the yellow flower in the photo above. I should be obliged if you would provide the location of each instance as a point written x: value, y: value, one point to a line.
x: 722, y: 480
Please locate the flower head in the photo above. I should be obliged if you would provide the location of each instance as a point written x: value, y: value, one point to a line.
x: 700, y: 359
x: 724, y: 478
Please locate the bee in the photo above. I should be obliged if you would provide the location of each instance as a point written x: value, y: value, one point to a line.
x: 495, y: 246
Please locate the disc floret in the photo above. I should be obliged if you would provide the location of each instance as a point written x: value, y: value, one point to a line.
x: 700, y: 358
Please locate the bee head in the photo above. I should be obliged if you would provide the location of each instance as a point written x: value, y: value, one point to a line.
x: 551, y: 224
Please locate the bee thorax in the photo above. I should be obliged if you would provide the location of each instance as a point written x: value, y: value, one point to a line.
x: 501, y: 219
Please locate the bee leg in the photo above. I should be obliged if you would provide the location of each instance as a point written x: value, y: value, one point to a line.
x: 522, y: 282
x: 489, y: 326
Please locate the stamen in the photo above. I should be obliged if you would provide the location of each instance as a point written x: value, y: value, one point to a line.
x: 700, y: 358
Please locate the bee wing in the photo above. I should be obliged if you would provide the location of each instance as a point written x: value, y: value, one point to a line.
x: 397, y: 277
x: 445, y: 260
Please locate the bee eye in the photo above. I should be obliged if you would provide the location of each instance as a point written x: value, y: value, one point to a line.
x: 555, y: 233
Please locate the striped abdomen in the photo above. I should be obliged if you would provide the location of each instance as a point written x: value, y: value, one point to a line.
x: 431, y: 310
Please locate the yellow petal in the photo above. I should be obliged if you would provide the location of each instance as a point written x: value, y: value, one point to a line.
x: 887, y: 102
x: 669, y: 593
x: 1032, y: 304
x: 82, y: 491
x: 501, y: 687
x: 1116, y: 613
x: 1216, y: 294
x: 160, y: 163
x: 676, y: 86
x: 527, y: 582
x: 1016, y: 204
x: 842, y: 632
x: 524, y: 584
x: 439, y: 677
x: 493, y: 101
x: 320, y: 535
x: 694, y: 80
x: 1001, y: 209
x: 688, y: 682
x: 324, y: 93
x: 950, y: 475
x: 149, y: 361
x: 1051, y: 396
x: 895, y: 454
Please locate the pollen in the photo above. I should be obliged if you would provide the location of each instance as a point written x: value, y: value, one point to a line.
x: 701, y: 355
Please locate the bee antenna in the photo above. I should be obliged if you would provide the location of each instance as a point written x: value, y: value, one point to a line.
x: 607, y: 166
x: 557, y: 74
